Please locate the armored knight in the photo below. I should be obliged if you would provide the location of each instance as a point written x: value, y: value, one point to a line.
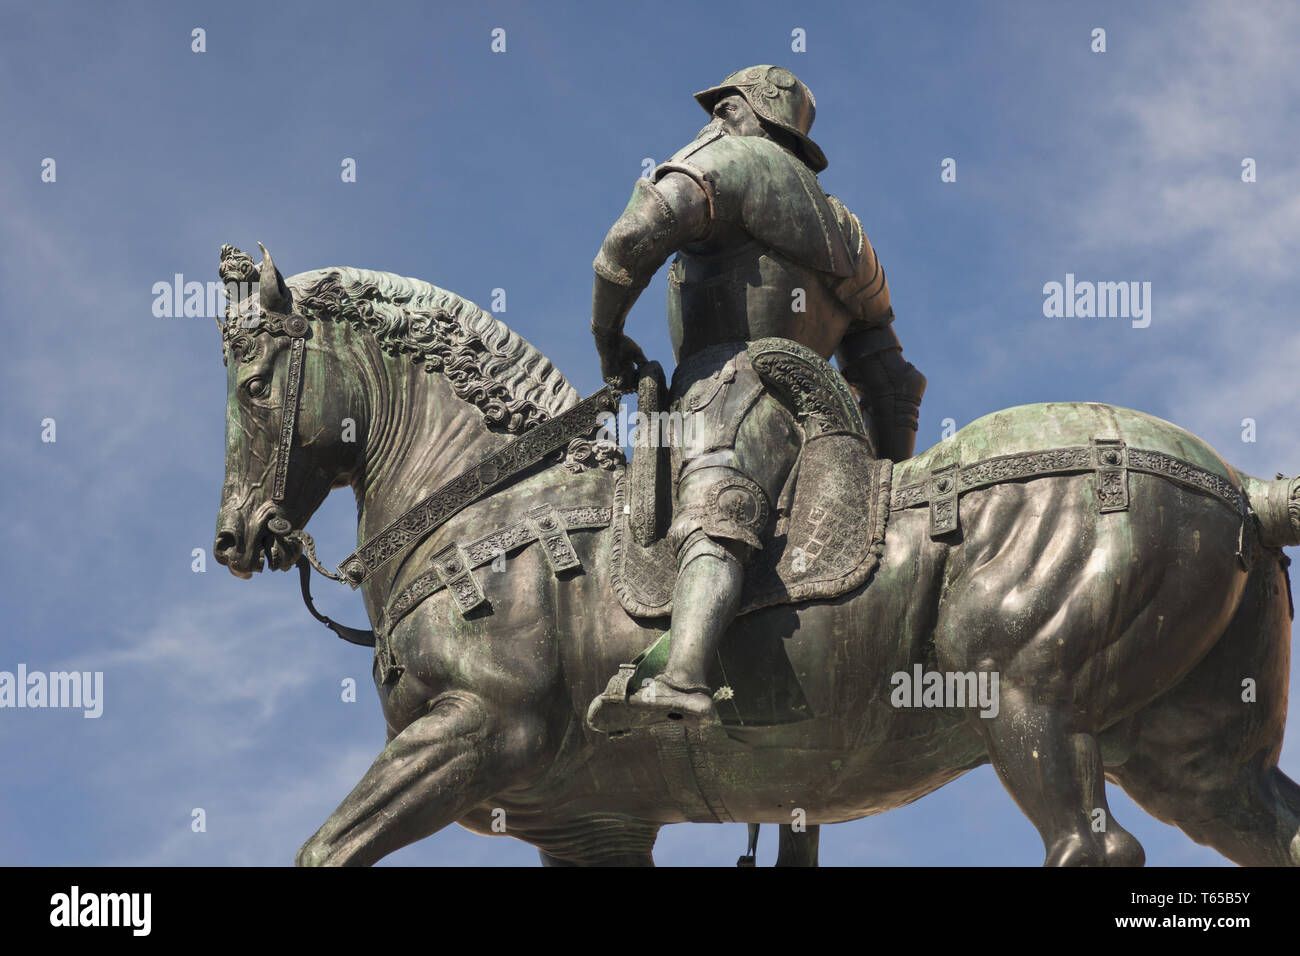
x: 761, y: 251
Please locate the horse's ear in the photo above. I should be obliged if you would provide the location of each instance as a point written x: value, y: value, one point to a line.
x: 273, y: 294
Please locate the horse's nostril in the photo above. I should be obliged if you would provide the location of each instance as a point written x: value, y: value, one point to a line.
x: 226, y: 542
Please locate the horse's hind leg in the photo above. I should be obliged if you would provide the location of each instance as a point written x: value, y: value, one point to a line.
x: 1203, y: 757
x: 1032, y: 604
x: 454, y: 757
x: 1250, y: 813
x: 1053, y: 770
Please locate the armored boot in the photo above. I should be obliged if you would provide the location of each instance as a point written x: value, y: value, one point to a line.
x: 705, y: 602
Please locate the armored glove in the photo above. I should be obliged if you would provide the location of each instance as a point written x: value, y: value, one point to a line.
x: 619, y: 359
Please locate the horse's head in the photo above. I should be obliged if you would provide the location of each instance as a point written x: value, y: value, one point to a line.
x: 287, y: 408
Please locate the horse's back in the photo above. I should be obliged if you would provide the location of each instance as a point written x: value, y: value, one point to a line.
x: 1046, y: 426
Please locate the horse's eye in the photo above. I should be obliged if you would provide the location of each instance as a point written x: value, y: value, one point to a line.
x: 257, y: 387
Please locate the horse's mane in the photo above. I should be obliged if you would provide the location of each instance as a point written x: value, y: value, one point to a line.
x: 485, y: 362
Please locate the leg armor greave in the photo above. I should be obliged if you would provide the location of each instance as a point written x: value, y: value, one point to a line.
x: 710, y: 575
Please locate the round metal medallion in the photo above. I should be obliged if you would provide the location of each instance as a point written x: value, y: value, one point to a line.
x: 781, y: 77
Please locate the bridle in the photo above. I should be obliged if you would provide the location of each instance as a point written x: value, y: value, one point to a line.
x: 295, y: 327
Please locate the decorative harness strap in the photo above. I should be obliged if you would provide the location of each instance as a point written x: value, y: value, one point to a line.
x: 1110, y: 459
x: 451, y: 567
x: 474, y: 483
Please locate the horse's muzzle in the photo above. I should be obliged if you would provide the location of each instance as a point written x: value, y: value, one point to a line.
x: 242, y: 545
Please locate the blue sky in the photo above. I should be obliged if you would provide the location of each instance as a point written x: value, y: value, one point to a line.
x: 478, y: 170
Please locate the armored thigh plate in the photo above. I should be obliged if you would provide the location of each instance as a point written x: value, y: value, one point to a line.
x: 713, y: 390
x: 722, y: 485
x: 769, y: 421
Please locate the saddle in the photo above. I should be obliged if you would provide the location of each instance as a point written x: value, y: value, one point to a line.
x: 830, y: 527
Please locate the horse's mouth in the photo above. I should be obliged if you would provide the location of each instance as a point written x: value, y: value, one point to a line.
x: 279, y: 553
x: 244, y: 566
x: 274, y: 547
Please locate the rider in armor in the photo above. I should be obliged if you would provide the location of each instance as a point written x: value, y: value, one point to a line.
x: 761, y: 251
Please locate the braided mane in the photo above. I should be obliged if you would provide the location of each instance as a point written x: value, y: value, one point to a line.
x: 485, y: 362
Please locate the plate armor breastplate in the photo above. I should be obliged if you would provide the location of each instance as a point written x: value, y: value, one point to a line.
x: 764, y: 269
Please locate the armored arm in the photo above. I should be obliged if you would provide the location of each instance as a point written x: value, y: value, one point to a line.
x: 659, y: 219
x: 870, y: 355
x: 865, y: 293
x: 890, y: 387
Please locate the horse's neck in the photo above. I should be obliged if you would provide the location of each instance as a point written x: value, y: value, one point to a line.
x: 420, y: 436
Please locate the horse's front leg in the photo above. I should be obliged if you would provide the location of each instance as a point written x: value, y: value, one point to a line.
x: 454, y: 757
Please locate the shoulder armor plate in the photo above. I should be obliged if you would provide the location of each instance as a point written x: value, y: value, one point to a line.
x: 769, y: 193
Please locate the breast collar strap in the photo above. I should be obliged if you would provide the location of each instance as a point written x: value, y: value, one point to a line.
x: 476, y: 483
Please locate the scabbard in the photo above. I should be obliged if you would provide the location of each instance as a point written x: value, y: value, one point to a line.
x: 648, y: 472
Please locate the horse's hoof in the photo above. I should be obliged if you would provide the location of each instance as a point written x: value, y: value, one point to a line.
x: 311, y: 854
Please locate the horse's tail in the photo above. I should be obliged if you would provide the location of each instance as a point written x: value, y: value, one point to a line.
x: 1277, y: 506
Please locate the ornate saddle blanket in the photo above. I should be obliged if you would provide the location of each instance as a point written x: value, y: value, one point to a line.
x: 830, y: 540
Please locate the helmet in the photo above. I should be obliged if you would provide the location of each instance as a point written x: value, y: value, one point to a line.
x: 777, y: 97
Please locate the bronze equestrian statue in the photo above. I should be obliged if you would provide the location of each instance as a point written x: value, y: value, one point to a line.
x: 1119, y: 586
x: 761, y: 251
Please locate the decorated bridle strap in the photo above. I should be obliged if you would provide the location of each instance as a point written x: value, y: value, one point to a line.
x: 289, y: 413
x: 476, y: 482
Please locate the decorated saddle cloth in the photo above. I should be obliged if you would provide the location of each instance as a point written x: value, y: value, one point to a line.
x: 829, y: 539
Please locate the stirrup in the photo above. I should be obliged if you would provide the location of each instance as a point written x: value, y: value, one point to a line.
x: 618, y: 713
x: 668, y: 702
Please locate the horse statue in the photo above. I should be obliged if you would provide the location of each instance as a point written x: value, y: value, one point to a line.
x: 1118, y: 586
